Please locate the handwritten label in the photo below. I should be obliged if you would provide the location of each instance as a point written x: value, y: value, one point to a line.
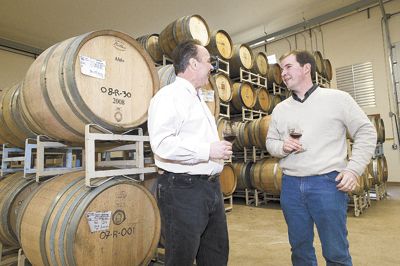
x: 98, y: 221
x: 124, y: 232
x: 207, y: 96
x: 93, y: 67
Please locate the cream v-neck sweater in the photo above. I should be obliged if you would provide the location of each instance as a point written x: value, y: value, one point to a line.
x: 324, y: 118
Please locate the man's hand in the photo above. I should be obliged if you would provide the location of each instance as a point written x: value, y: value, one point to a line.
x: 290, y: 145
x: 220, y: 150
x: 348, y: 181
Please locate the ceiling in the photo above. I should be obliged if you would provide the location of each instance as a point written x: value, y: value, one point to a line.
x: 41, y: 23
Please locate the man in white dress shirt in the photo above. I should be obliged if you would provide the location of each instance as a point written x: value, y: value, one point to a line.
x: 189, y: 154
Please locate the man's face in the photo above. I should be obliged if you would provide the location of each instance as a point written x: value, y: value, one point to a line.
x: 204, y: 66
x: 293, y: 74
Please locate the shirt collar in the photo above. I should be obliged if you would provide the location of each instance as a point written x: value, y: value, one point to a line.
x: 306, y: 95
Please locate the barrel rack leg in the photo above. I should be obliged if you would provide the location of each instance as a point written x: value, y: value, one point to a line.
x: 22, y: 260
x: 11, y: 155
x: 357, y: 210
x: 229, y: 205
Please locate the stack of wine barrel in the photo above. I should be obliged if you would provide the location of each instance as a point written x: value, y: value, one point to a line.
x: 105, y: 78
x: 372, y: 183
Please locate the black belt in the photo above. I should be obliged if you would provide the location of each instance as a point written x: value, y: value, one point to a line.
x: 210, y: 178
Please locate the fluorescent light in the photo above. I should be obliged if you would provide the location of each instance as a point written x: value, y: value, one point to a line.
x: 257, y: 43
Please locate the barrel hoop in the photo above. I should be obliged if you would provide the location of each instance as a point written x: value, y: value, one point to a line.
x: 46, y: 222
x: 55, y: 222
x: 17, y: 118
x: 71, y: 210
x: 276, y: 176
x: 23, y: 209
x: 71, y: 79
x: 16, y: 190
x: 9, y: 105
x: 27, y: 116
x: 46, y: 97
x: 375, y: 171
x: 4, y: 127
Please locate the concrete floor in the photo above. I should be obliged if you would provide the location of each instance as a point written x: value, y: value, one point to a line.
x: 258, y: 235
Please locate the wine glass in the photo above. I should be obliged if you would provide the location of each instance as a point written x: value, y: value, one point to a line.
x: 296, y: 132
x: 228, y: 133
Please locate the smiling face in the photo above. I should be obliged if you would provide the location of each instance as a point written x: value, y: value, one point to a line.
x: 296, y: 77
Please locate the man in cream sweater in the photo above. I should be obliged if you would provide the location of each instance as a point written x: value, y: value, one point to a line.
x: 317, y: 174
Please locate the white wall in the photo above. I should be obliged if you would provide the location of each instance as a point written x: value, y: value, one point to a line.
x: 357, y: 39
x: 13, y: 68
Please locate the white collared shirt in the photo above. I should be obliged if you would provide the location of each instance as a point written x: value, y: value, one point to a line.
x: 181, y: 129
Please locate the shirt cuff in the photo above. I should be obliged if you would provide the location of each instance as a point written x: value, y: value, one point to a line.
x: 352, y: 167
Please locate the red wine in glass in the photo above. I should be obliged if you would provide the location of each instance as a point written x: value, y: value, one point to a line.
x: 295, y: 135
x: 229, y: 138
x: 228, y: 133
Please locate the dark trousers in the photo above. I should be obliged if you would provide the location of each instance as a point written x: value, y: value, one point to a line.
x: 193, y: 220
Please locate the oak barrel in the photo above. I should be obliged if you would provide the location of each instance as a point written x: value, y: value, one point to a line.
x: 319, y: 62
x: 379, y: 127
x: 5, y: 133
x: 266, y: 175
x: 258, y: 130
x: 362, y: 184
x: 13, y: 128
x: 9, y: 260
x: 242, y: 57
x: 152, y: 47
x: 260, y: 64
x: 243, y: 96
x: 376, y: 170
x: 242, y: 136
x: 275, y: 99
x: 102, y: 77
x: 263, y: 100
x: 385, y: 169
x: 166, y: 75
x: 192, y: 27
x: 224, y: 86
x: 220, y: 44
x: 14, y: 191
x: 67, y: 223
x: 381, y: 131
x: 327, y: 69
x: 242, y: 173
x: 274, y: 75
x: 228, y: 180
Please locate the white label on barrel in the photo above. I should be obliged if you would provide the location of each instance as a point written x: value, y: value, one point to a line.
x: 93, y: 67
x: 98, y: 221
x: 207, y: 96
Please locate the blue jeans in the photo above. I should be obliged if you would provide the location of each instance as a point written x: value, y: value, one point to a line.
x: 193, y: 220
x: 315, y: 199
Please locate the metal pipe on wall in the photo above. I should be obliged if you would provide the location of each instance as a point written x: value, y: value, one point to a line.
x: 385, y: 18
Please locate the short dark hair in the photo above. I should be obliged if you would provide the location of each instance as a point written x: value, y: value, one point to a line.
x: 302, y: 57
x: 182, y: 54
